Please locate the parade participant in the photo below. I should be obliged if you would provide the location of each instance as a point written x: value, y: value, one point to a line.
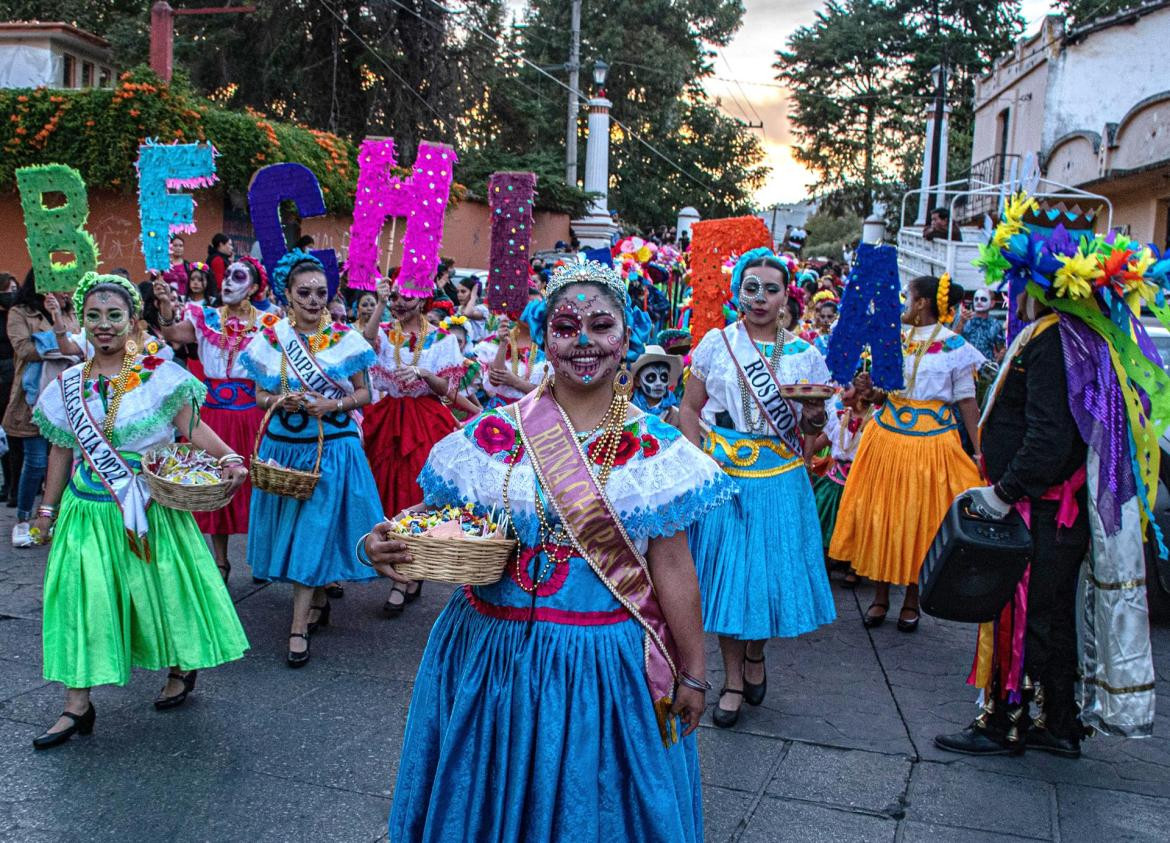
x: 316, y: 371
x: 513, y: 365
x: 221, y: 335
x: 126, y: 584
x: 219, y: 256
x: 417, y: 372
x: 364, y: 309
x: 911, y: 463
x: 470, y: 306
x: 979, y: 328
x: 546, y: 677
x: 848, y: 416
x: 40, y: 326
x: 1070, y: 437
x: 762, y: 576
x: 201, y: 287
x: 656, y: 375
x: 179, y: 273
x: 824, y: 306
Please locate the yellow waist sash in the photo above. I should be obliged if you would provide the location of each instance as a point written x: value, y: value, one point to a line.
x: 754, y: 457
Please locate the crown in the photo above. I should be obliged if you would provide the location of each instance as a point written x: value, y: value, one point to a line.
x: 589, y: 272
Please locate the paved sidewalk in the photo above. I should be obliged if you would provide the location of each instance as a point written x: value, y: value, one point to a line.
x: 841, y: 749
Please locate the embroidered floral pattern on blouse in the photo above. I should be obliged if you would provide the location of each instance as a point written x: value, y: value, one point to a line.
x: 949, y: 344
x: 139, y: 374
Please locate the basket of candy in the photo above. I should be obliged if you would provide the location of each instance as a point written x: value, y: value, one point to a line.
x: 454, y: 545
x: 274, y: 478
x: 185, y: 477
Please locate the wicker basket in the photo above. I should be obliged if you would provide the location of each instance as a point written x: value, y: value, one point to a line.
x: 459, y: 561
x: 203, y: 498
x: 278, y: 480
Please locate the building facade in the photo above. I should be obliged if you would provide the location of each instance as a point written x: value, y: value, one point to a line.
x: 1092, y: 105
x: 34, y: 54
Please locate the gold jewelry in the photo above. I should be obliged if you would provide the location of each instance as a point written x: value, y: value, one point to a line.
x: 398, y: 338
x: 513, y: 355
x: 292, y: 319
x: 324, y: 322
x: 131, y: 348
x: 118, y: 384
x: 752, y: 416
x: 623, y: 384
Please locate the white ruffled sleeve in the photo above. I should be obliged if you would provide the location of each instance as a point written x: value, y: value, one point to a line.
x: 703, y: 356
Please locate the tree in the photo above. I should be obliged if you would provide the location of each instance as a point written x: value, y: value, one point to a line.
x: 845, y: 75
x: 1080, y: 12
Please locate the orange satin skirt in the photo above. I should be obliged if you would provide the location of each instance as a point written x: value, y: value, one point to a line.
x: 909, y: 468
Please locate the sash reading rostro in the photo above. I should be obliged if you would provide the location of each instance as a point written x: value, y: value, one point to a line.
x: 763, y: 387
x: 597, y: 535
x: 126, y: 487
x: 305, y: 364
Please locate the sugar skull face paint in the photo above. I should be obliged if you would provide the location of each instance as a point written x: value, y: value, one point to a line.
x: 237, y: 283
x: 981, y: 301
x: 654, y: 381
x: 586, y: 338
x: 762, y: 295
x: 107, y: 320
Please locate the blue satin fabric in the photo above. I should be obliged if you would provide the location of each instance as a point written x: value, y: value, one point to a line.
x: 522, y: 732
x: 760, y: 556
x: 312, y: 542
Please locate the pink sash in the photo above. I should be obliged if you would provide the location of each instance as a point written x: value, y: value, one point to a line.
x: 597, y: 534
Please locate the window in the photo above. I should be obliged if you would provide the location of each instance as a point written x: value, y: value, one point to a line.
x: 87, y: 74
x: 69, y: 72
x: 1003, y: 129
x: 105, y: 77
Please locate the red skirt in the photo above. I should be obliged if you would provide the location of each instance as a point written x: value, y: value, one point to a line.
x: 399, y: 434
x: 230, y: 410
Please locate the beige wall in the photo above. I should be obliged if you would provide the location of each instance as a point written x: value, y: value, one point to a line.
x: 113, y: 222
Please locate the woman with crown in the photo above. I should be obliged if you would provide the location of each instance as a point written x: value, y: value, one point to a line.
x: 417, y: 372
x: 129, y: 581
x: 221, y: 335
x: 760, y: 558
x: 911, y: 463
x: 312, y: 372
x: 548, y: 705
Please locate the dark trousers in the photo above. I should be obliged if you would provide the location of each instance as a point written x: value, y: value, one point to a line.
x: 1050, y: 644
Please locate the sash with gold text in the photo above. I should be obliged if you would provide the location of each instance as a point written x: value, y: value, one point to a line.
x: 763, y: 387
x: 305, y: 364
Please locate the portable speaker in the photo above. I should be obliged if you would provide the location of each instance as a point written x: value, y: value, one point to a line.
x: 973, y: 565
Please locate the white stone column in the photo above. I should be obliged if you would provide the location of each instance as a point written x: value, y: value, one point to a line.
x: 595, y: 230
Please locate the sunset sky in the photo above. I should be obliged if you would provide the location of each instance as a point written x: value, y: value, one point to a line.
x: 749, y: 58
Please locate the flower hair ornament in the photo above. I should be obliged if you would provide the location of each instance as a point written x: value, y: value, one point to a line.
x: 284, y: 268
x: 261, y: 275
x: 92, y: 279
x: 827, y: 296
x: 942, y: 299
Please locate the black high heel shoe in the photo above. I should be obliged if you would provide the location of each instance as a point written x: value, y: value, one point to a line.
x: 391, y: 609
x: 411, y: 596
x: 910, y: 625
x: 322, y: 617
x: 82, y: 725
x: 721, y: 717
x: 334, y: 591
x: 298, y: 659
x: 753, y: 694
x: 870, y: 621
x: 162, y: 703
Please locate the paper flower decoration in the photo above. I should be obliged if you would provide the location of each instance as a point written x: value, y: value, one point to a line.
x: 510, y: 198
x: 278, y: 183
x: 712, y: 243
x: 161, y: 169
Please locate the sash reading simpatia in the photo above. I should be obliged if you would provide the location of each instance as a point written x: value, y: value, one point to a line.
x: 763, y: 387
x: 305, y: 364
x: 597, y: 534
x: 126, y: 487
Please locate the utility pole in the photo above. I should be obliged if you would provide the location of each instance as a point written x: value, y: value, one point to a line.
x: 574, y: 68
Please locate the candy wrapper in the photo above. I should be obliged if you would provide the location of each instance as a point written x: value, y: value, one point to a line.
x: 450, y: 522
x: 186, y: 466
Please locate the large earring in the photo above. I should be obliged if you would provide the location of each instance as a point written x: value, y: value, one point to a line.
x: 131, y: 348
x: 292, y: 319
x: 623, y: 384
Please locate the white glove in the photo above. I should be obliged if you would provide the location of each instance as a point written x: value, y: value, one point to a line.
x: 985, y: 503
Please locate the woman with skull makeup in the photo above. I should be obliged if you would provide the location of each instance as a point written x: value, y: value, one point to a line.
x: 313, y: 372
x: 221, y: 334
x: 548, y: 705
x: 417, y: 373
x: 760, y: 556
x: 126, y: 585
x: 911, y: 465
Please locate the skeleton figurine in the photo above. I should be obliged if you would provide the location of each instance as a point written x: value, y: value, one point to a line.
x: 656, y: 375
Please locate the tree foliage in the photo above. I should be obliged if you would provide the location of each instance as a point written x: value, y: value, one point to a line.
x: 860, y: 77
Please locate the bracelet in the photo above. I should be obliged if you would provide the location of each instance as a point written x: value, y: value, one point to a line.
x: 360, y: 552
x: 49, y: 512
x: 229, y: 460
x: 694, y: 682
x: 341, y: 406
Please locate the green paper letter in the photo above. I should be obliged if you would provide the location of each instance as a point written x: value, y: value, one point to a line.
x: 56, y: 229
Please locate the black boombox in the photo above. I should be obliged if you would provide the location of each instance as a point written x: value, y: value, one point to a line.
x: 973, y: 565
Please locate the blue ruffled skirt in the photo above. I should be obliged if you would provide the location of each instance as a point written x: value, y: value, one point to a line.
x: 760, y: 556
x: 312, y: 542
x: 520, y: 733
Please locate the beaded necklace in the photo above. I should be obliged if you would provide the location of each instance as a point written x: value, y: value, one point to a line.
x: 515, y: 355
x: 398, y: 337
x: 235, y: 334
x: 753, y: 417
x: 117, y: 384
x: 919, y: 353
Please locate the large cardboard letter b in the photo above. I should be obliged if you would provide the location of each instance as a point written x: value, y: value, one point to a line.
x: 56, y: 229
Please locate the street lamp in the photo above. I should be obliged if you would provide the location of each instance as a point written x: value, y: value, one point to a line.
x: 600, y: 71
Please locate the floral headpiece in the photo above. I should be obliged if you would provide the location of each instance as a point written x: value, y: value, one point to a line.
x: 198, y: 266
x: 589, y: 272
x: 285, y: 266
x: 451, y: 322
x: 92, y: 279
x: 825, y: 295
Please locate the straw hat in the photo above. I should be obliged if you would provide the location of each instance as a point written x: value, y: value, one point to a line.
x: 656, y: 354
